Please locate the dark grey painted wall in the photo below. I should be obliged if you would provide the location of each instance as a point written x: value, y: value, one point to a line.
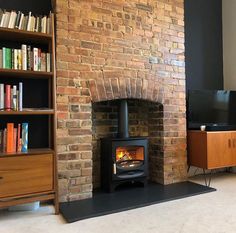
x: 36, y: 6
x: 203, y: 44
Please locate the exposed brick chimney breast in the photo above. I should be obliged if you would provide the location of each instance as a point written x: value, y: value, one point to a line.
x: 112, y: 49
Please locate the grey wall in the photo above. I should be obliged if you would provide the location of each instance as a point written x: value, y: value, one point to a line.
x: 36, y: 6
x: 229, y: 43
x: 203, y: 44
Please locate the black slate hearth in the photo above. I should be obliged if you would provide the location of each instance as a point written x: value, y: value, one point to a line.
x: 125, y: 199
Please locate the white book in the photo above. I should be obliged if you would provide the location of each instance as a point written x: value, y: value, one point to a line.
x: 0, y: 58
x: 32, y: 23
x: 24, y: 56
x: 44, y: 24
x: 7, y: 18
x: 12, y: 20
x: 20, y: 97
x: 29, y: 22
x: 48, y: 61
x: 1, y: 96
x: 35, y: 59
x: 3, y: 19
x: 14, y: 98
x: 1, y: 15
x: 21, y: 21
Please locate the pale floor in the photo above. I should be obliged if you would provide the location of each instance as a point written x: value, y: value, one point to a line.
x: 212, y: 212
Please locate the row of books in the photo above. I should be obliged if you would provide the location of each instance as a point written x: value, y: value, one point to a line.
x: 12, y: 97
x: 14, y: 139
x: 29, y: 22
x: 26, y: 58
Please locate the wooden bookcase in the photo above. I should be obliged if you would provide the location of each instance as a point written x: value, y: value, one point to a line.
x: 31, y: 176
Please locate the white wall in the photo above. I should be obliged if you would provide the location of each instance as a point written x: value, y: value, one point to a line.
x: 229, y: 43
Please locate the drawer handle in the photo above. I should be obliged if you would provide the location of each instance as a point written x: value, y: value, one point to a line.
x: 1, y: 177
x: 229, y: 141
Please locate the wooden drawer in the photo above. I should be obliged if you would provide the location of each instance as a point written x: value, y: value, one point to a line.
x: 26, y: 174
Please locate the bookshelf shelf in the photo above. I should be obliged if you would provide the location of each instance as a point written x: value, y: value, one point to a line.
x: 25, y: 74
x: 24, y: 36
x: 29, y: 152
x: 29, y: 112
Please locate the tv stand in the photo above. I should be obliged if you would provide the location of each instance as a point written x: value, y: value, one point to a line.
x: 211, y: 149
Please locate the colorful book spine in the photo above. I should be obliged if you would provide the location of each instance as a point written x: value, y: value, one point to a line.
x: 8, y: 58
x: 24, y: 137
x: 10, y: 137
x: 1, y: 96
x: 8, y: 98
x: 20, y: 97
x: 18, y: 149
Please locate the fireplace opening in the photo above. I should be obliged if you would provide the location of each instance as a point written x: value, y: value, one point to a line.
x: 127, y: 151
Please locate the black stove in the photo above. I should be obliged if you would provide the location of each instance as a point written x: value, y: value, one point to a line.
x: 123, y: 159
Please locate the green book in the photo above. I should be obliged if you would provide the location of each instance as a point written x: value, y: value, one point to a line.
x: 8, y: 57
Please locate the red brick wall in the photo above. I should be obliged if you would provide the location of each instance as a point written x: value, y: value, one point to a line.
x: 110, y: 49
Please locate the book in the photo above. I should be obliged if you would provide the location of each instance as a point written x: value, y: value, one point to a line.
x: 20, y: 97
x: 1, y: 96
x: 8, y: 98
x: 1, y: 140
x: 29, y: 22
x: 24, y: 56
x: 35, y: 59
x: 17, y: 21
x: 14, y: 98
x: 18, y: 149
x: 48, y: 62
x: 25, y: 127
x: 0, y: 58
x: 19, y: 59
x: 7, y: 19
x: 14, y: 139
x: 1, y: 15
x: 21, y: 21
x: 7, y: 58
x: 10, y: 138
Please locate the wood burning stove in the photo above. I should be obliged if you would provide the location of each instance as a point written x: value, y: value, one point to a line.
x: 123, y: 159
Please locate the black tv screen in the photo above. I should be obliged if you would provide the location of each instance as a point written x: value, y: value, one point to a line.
x: 211, y: 108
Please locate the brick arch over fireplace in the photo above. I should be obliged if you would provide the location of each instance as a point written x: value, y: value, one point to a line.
x: 122, y: 87
x: 110, y: 50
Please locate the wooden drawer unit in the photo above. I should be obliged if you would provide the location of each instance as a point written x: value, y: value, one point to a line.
x: 21, y: 175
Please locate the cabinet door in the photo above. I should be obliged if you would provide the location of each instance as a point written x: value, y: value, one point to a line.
x: 233, y: 139
x: 219, y: 148
x: 26, y: 174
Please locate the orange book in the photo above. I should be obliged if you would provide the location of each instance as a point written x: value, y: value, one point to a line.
x: 14, y: 139
x: 10, y: 137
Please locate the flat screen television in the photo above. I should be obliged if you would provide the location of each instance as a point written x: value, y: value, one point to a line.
x: 214, y: 108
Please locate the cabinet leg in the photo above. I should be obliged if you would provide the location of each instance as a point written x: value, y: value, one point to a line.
x: 207, y: 183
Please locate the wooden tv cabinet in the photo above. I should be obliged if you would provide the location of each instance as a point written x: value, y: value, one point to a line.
x: 211, y: 149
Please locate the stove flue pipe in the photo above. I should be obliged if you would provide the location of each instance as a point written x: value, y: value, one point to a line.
x: 123, y: 130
